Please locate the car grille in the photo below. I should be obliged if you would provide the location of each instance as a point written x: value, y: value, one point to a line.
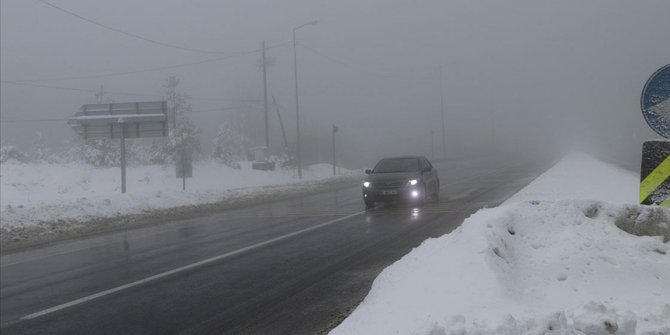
x: 388, y: 184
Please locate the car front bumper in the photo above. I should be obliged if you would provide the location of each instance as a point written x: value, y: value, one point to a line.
x: 403, y: 194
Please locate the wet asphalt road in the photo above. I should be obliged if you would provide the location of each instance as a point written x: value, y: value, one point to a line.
x: 288, y: 267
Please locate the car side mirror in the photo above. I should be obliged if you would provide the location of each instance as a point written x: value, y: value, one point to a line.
x: 426, y: 169
x: 368, y: 171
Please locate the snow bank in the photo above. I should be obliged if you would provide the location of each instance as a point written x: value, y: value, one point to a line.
x: 581, y: 177
x: 32, y: 193
x: 540, y: 266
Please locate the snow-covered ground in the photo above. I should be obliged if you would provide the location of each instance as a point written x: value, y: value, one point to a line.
x: 548, y: 261
x: 34, y: 193
x: 581, y: 177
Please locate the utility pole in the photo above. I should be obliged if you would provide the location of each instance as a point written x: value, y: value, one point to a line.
x: 297, y: 106
x: 444, y: 135
x: 265, y: 99
x: 297, y: 101
x: 335, y: 129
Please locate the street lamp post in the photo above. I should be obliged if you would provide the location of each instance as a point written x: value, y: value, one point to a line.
x: 432, y: 144
x: 444, y: 130
x: 297, y: 102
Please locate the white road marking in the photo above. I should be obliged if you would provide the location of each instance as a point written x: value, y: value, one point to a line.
x: 97, y: 242
x: 180, y: 269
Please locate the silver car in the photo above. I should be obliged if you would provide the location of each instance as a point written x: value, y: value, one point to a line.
x: 407, y: 179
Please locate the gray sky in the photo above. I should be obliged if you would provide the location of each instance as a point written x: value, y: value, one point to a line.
x: 517, y: 73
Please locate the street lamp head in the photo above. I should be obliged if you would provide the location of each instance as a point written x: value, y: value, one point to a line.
x: 311, y: 23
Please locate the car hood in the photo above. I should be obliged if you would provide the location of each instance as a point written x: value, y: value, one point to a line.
x: 394, y: 176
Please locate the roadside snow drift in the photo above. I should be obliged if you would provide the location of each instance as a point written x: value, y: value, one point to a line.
x: 581, y: 177
x: 542, y: 266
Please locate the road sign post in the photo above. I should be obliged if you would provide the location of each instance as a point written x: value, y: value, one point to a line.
x: 655, y: 173
x: 123, y: 155
x: 184, y: 166
x: 655, y: 169
x: 121, y: 120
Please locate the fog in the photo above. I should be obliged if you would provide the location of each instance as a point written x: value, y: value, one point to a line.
x: 517, y: 76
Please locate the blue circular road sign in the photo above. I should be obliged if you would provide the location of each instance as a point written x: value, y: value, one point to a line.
x: 655, y: 101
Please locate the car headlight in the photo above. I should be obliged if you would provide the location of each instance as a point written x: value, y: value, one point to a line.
x: 413, y: 182
x: 366, y: 184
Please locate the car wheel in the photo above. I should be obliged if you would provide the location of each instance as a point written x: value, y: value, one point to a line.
x: 436, y: 194
x: 369, y: 204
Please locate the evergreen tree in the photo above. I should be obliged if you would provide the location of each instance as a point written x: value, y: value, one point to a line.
x: 10, y: 153
x: 97, y: 152
x: 229, y: 145
x: 40, y: 152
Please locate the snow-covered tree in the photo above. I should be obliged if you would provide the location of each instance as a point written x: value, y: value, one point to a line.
x: 9, y: 153
x: 183, y: 137
x: 99, y: 152
x: 183, y: 134
x: 138, y: 150
x: 229, y: 145
x: 101, y: 96
x: 282, y: 161
x: 96, y: 152
x: 40, y: 151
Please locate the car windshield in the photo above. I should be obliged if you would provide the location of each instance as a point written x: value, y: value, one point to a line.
x: 397, y: 165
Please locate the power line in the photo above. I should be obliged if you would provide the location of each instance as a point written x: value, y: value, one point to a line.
x: 76, y: 89
x: 112, y: 74
x: 129, y: 34
x: 377, y: 75
x: 30, y: 120
x: 66, y: 119
x: 339, y: 62
x: 210, y: 110
x: 159, y: 68
x: 87, y: 90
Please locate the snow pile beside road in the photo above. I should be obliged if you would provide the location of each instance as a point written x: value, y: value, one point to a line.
x: 581, y: 177
x: 33, y: 193
x: 541, y: 266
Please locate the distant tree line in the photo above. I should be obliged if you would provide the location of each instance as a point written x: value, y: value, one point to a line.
x: 229, y: 145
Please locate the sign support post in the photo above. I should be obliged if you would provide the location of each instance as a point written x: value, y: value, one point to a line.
x: 183, y: 168
x: 121, y: 120
x: 655, y: 173
x: 123, y: 155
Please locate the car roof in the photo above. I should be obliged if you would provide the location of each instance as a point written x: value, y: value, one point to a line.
x: 403, y: 157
